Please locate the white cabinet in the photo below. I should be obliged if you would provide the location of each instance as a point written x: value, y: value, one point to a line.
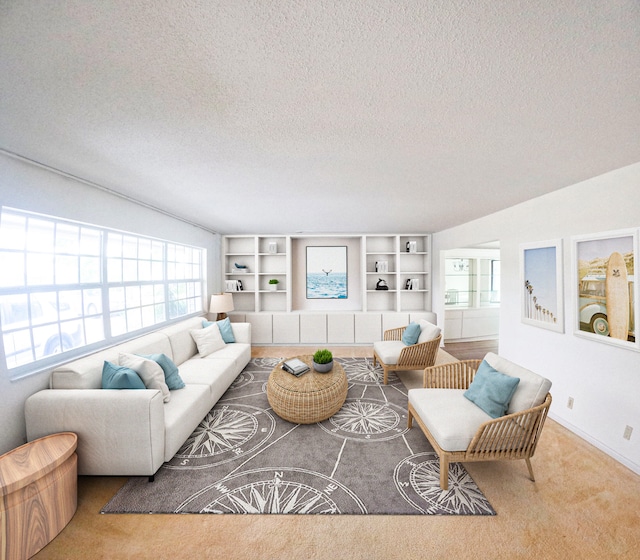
x: 367, y: 327
x: 340, y: 328
x: 471, y: 324
x: 286, y: 328
x: 313, y: 328
x: 261, y: 327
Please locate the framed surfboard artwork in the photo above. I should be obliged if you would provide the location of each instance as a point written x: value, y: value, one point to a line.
x: 541, y: 285
x: 606, y: 291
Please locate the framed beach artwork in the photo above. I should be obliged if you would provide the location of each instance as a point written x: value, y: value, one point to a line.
x: 606, y: 291
x: 326, y: 272
x: 541, y: 285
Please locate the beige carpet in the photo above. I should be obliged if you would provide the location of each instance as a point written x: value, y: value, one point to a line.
x: 583, y: 505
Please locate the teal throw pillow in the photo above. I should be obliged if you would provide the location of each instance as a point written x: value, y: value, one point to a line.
x: 492, y: 390
x: 225, y: 329
x: 120, y: 377
x: 171, y: 376
x: 411, y: 334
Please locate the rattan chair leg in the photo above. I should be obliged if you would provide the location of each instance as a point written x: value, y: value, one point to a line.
x: 444, y: 471
x: 528, y: 460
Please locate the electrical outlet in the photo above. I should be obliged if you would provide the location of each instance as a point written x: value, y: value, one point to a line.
x: 570, y: 402
x: 627, y: 432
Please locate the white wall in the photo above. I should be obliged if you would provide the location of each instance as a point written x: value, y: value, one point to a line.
x: 28, y: 187
x: 604, y: 380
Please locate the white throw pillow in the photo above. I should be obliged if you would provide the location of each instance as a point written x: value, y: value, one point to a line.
x: 428, y: 331
x: 208, y: 340
x: 150, y: 372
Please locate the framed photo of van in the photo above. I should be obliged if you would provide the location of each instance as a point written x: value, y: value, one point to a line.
x: 606, y: 302
x: 541, y: 284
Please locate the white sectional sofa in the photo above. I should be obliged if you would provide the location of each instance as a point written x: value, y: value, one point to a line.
x: 132, y: 432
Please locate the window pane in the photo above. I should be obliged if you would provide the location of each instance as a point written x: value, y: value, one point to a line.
x: 89, y: 270
x: 67, y: 270
x: 12, y: 269
x: 17, y: 348
x: 114, y: 245
x: 67, y: 239
x: 44, y: 308
x: 114, y: 270
x: 39, y: 269
x: 90, y: 242
x: 40, y: 236
x: 116, y: 299
x: 13, y: 231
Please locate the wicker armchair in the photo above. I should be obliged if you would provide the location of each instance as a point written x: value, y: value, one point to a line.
x: 510, y: 437
x: 393, y: 355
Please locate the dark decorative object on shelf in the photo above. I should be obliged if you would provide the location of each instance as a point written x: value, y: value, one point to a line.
x: 381, y: 285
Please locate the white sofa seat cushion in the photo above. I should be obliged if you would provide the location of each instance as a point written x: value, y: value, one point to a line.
x: 451, y: 419
x: 182, y: 414
x: 532, y: 389
x: 205, y: 372
x: 389, y: 350
x: 239, y: 352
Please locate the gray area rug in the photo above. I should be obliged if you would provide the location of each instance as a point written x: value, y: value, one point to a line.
x: 243, y: 458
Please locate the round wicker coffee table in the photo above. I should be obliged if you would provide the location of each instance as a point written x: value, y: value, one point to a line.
x: 310, y: 398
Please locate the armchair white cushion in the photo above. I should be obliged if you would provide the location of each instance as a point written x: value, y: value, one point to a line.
x: 394, y: 355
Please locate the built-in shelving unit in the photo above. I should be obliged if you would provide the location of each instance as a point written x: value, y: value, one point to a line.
x: 402, y: 262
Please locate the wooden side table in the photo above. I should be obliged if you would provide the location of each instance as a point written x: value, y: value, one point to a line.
x: 38, y: 493
x: 310, y: 398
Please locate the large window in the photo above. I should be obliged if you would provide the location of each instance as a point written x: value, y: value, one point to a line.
x: 65, y: 286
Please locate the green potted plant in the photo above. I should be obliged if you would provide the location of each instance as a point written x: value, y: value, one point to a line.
x: 323, y: 361
x: 273, y: 284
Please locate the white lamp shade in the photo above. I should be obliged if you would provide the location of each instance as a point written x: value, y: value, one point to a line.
x: 221, y: 303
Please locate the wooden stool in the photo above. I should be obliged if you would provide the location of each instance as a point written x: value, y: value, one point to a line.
x: 38, y: 493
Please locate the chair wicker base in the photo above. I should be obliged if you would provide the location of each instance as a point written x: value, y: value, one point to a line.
x: 310, y: 398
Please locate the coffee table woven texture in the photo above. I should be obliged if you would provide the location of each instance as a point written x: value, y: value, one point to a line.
x: 310, y: 398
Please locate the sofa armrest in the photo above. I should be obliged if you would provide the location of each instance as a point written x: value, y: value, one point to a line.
x: 242, y: 332
x: 454, y: 375
x: 120, y: 432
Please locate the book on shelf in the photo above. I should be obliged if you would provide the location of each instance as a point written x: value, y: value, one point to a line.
x: 295, y: 366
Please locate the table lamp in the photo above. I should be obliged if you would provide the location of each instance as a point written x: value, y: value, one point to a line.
x: 220, y: 304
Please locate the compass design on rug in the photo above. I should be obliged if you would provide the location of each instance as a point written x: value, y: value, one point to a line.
x: 268, y: 490
x: 226, y: 433
x: 243, y: 379
x: 367, y: 420
x: 362, y: 372
x: 417, y: 478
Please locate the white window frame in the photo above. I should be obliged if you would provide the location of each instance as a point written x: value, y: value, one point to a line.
x: 58, y: 289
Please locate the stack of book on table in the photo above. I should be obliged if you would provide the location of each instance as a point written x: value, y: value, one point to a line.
x: 295, y: 366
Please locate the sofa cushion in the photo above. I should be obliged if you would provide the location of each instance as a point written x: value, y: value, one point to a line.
x: 208, y: 340
x: 149, y: 371
x: 428, y: 331
x: 181, y: 342
x: 120, y: 377
x: 491, y: 390
x: 450, y: 418
x: 411, y: 334
x: 532, y: 389
x: 171, y: 373
x: 239, y: 352
x: 225, y: 329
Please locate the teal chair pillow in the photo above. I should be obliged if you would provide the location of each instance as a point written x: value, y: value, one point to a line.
x: 120, y: 377
x: 411, y: 334
x: 225, y: 329
x: 492, y: 390
x: 171, y: 376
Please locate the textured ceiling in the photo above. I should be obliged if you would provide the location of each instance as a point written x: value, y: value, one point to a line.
x: 323, y: 116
